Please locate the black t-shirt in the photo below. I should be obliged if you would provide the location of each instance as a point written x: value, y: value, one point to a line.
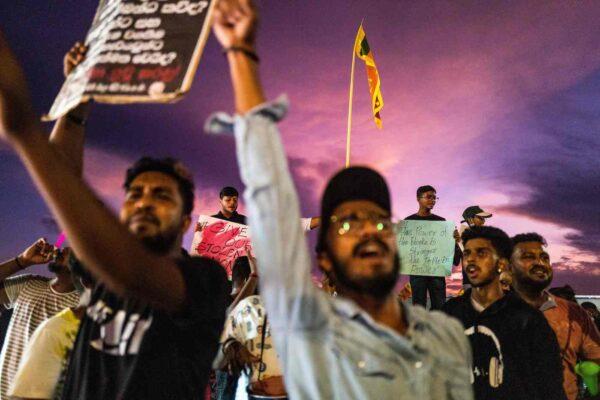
x: 430, y: 217
x: 235, y: 217
x: 127, y: 350
x: 515, y: 352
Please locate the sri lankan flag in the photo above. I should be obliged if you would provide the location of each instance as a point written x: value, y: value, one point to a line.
x: 363, y: 51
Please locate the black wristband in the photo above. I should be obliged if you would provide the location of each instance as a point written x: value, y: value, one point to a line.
x: 250, y: 54
x: 76, y: 120
x: 18, y: 263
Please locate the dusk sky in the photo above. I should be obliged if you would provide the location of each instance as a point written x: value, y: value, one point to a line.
x: 492, y: 103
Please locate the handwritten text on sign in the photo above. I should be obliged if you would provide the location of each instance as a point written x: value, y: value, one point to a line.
x: 138, y: 51
x: 220, y: 240
x: 426, y: 247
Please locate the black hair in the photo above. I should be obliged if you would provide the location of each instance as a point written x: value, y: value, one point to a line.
x: 240, y: 271
x: 78, y: 271
x: 498, y: 237
x: 425, y: 189
x: 528, y: 237
x: 588, y: 305
x: 168, y: 166
x: 228, y: 191
x: 564, y: 292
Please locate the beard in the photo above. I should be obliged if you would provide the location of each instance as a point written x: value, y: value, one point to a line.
x: 162, y: 243
x: 531, y: 284
x: 378, y: 286
x: 487, y: 280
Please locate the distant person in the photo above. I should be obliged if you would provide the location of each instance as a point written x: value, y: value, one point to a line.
x: 592, y: 310
x: 228, y: 199
x: 34, y: 299
x: 472, y: 216
x: 434, y: 285
x: 515, y: 353
x: 577, y: 335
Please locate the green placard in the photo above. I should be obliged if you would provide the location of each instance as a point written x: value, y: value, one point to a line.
x: 426, y: 247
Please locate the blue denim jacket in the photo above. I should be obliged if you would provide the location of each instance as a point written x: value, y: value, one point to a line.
x: 328, y: 346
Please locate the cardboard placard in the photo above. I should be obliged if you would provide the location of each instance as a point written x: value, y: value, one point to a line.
x: 426, y: 247
x: 220, y: 240
x: 138, y: 51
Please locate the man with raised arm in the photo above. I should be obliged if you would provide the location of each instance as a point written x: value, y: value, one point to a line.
x: 152, y: 326
x: 362, y: 344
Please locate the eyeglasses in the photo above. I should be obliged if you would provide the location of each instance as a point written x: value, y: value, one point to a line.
x: 430, y: 197
x: 354, y: 223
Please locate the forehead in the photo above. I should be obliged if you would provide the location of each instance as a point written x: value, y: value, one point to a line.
x: 428, y: 193
x: 354, y: 206
x: 479, y: 243
x: 152, y: 180
x: 229, y: 197
x: 530, y: 247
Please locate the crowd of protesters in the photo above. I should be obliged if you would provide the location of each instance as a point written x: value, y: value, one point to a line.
x: 130, y: 315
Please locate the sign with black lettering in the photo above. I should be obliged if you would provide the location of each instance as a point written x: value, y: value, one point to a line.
x: 138, y: 51
x: 220, y: 240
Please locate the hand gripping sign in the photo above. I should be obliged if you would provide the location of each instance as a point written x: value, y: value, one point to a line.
x: 138, y: 52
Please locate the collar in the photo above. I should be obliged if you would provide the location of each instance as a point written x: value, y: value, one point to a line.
x: 550, y: 303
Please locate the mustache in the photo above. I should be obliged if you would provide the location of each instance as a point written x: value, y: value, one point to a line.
x: 359, y: 247
x: 541, y: 268
x: 146, y: 215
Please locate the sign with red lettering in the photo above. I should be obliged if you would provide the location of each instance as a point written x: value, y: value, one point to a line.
x: 220, y: 240
x: 138, y: 52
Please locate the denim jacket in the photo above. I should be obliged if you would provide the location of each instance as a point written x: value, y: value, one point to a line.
x: 328, y: 346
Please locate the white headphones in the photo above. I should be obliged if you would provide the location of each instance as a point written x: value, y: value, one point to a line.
x: 496, y: 368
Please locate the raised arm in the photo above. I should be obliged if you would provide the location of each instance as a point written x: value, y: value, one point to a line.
x: 104, y: 245
x: 284, y: 264
x: 68, y: 135
x: 38, y: 253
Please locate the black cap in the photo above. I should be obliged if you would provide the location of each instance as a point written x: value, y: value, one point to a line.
x: 474, y: 211
x: 354, y: 183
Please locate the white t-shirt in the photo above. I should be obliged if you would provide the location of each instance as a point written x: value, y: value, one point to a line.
x: 46, y: 357
x: 244, y: 325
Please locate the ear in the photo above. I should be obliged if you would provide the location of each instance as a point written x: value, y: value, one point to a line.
x: 185, y: 223
x: 324, y: 263
x: 503, y: 265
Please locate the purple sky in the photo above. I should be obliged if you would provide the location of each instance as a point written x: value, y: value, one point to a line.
x: 494, y: 104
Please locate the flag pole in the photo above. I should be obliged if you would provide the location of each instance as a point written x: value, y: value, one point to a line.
x: 350, y: 106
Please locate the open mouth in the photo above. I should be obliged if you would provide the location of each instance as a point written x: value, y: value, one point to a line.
x: 371, y: 250
x: 472, y: 270
x: 540, y: 273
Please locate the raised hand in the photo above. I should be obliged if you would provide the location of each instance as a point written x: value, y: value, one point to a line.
x: 74, y: 57
x: 40, y: 252
x: 16, y: 113
x: 234, y: 23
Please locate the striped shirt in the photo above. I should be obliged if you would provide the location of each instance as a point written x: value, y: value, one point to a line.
x: 33, y: 301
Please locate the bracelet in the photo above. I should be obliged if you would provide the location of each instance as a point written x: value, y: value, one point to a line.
x: 250, y: 54
x: 253, y: 275
x: 76, y: 120
x: 18, y: 263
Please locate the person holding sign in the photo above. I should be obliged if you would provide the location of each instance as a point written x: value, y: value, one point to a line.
x: 228, y: 198
x: 362, y: 343
x: 153, y: 323
x: 515, y: 354
x: 434, y: 285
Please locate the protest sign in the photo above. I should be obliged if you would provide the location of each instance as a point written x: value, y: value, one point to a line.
x: 426, y: 247
x: 138, y: 51
x: 220, y: 240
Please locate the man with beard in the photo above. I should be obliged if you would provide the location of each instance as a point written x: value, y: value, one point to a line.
x: 515, y: 354
x: 363, y: 343
x: 33, y: 299
x: 577, y: 336
x: 228, y: 199
x: 152, y: 327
